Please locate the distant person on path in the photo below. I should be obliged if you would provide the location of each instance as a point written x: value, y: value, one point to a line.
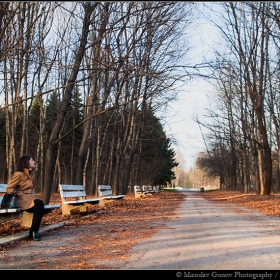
x: 27, y: 201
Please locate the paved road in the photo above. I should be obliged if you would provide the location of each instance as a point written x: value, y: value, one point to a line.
x: 207, y: 235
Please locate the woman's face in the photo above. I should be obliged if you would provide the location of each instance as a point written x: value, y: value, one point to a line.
x: 31, y: 163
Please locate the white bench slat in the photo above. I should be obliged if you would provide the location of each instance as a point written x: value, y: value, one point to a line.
x: 113, y: 197
x: 73, y: 194
x: 151, y: 189
x: 72, y: 187
x: 3, y: 188
x: 156, y: 189
x: 105, y: 194
x: 14, y: 210
x: 52, y: 206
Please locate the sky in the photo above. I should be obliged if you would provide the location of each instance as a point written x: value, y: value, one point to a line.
x: 192, y: 100
x: 181, y: 125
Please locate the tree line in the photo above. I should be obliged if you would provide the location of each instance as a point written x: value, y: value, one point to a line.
x: 242, y: 124
x: 81, y: 86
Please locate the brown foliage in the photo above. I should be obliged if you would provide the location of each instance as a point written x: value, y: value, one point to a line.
x: 160, y: 205
x: 115, y: 230
x: 266, y: 204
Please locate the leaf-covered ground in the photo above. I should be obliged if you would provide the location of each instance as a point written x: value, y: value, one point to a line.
x: 162, y: 204
x: 130, y: 209
x: 266, y: 204
x: 109, y: 234
x: 112, y: 232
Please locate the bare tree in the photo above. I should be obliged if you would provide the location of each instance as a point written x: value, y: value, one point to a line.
x: 245, y: 28
x: 53, y: 141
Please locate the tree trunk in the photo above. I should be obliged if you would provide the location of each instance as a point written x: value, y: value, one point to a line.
x: 54, y: 138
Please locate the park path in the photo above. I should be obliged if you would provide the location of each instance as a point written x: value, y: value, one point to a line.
x: 209, y: 235
x: 203, y: 235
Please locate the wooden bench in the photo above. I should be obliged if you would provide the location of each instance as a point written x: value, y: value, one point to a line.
x: 151, y: 189
x: 74, y: 197
x: 139, y: 192
x: 156, y: 189
x: 10, y: 214
x: 106, y: 196
x: 145, y: 190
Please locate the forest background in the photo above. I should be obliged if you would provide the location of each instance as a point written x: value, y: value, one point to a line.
x: 85, y: 89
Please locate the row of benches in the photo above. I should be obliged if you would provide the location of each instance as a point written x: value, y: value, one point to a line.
x: 145, y: 190
x: 72, y: 197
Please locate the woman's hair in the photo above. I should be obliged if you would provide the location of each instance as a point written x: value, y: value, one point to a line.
x: 23, y: 163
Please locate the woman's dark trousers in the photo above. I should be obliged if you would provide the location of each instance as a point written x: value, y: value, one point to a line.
x: 38, y: 211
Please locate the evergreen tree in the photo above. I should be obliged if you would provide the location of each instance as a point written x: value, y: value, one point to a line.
x: 158, y: 158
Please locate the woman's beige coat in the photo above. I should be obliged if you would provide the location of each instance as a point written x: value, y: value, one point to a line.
x: 26, y: 193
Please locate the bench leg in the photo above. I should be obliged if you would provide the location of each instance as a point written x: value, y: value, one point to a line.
x: 139, y: 195
x: 104, y: 202
x: 83, y: 208
x: 66, y: 209
x: 26, y: 220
